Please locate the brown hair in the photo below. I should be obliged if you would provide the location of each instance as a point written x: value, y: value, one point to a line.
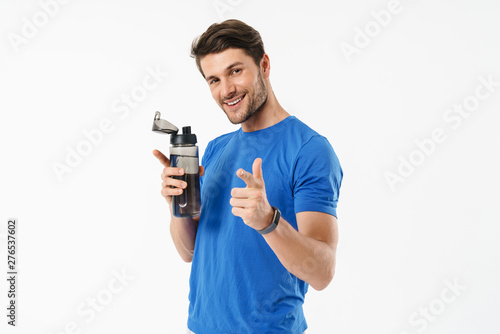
x: 228, y: 34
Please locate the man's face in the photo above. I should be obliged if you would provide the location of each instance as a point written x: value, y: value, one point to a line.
x: 235, y: 82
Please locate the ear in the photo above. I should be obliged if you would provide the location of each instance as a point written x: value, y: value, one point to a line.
x: 265, y: 66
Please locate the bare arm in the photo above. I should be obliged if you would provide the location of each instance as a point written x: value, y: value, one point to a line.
x: 308, y: 253
x: 182, y: 230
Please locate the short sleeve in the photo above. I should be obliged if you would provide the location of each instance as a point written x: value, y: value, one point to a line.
x: 205, y: 160
x: 317, y: 177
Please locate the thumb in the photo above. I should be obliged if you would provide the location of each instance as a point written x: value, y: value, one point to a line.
x: 162, y: 158
x: 257, y: 169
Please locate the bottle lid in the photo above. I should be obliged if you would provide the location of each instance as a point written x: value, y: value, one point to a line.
x: 163, y: 126
x: 186, y: 138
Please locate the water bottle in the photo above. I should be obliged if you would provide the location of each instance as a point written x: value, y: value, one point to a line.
x: 183, y: 154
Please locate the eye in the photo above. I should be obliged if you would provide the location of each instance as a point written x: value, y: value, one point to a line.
x: 213, y: 81
x: 236, y: 71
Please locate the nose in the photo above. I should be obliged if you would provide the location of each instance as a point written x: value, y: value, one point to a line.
x: 228, y: 89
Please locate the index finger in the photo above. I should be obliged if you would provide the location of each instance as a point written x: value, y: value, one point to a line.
x: 248, y: 178
x: 162, y: 158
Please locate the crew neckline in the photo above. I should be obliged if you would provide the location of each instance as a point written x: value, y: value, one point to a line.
x: 270, y: 128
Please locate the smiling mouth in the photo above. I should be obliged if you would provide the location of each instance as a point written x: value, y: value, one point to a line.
x: 232, y: 103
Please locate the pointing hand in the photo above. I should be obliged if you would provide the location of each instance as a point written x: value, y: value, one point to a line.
x: 250, y: 203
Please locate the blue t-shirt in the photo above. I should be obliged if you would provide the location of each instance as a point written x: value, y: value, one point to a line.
x: 237, y: 283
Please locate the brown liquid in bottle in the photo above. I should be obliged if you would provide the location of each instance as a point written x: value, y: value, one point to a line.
x: 187, y: 204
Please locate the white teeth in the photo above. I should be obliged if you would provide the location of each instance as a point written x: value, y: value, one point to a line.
x: 233, y: 103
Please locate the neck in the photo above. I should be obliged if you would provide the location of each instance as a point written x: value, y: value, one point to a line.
x: 271, y: 113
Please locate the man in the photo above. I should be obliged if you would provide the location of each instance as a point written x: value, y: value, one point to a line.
x: 268, y: 226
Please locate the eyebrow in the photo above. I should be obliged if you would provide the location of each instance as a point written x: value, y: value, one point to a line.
x: 238, y: 63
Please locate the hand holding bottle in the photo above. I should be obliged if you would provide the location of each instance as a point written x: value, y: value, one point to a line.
x: 171, y: 186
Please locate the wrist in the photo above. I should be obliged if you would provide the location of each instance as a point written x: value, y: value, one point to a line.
x: 275, y: 216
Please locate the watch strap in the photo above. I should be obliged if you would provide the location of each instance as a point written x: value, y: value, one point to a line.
x: 274, y: 222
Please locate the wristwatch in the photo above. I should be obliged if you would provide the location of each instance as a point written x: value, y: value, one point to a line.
x: 274, y: 222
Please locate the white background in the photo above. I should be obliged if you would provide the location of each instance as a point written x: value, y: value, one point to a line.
x: 399, y: 247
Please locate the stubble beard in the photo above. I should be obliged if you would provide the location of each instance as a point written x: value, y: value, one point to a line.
x: 255, y: 103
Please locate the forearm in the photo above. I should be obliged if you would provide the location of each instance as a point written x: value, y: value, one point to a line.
x: 310, y: 260
x: 183, y: 232
x: 309, y: 255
